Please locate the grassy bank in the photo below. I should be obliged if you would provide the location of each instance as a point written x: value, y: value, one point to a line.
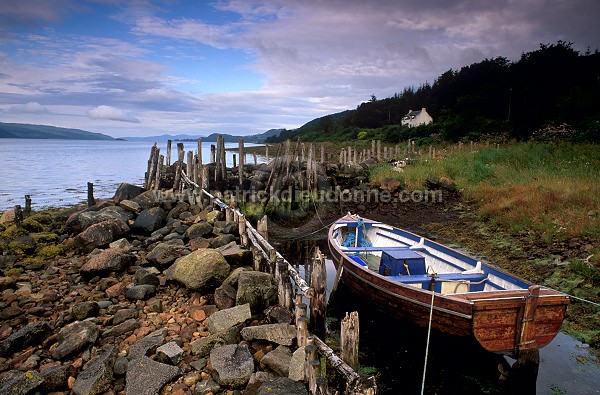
x: 537, y: 211
x: 548, y: 191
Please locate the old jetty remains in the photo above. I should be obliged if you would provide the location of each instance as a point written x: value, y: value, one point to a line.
x: 286, y: 169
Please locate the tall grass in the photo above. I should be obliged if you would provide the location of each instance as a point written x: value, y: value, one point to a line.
x: 549, y: 189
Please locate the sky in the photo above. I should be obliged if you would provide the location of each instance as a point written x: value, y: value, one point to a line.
x: 149, y: 67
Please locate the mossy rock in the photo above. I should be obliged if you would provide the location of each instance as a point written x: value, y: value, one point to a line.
x: 15, y: 271
x: 32, y: 225
x: 51, y: 251
x: 46, y: 237
x: 12, y: 232
x: 24, y: 245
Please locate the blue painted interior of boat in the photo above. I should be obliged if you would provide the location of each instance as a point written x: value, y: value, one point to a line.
x: 401, y: 262
x: 358, y: 260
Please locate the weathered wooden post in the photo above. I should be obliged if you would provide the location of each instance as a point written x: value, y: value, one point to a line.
x: 255, y: 158
x: 272, y: 260
x: 159, y: 167
x: 90, y: 194
x: 204, y: 185
x: 148, y: 180
x: 262, y: 227
x: 313, y: 364
x: 301, y: 324
x: 180, y: 152
x: 199, y: 153
x: 256, y: 258
x: 241, y: 165
x: 177, y: 181
x: 169, y: 153
x: 242, y: 230
x: 234, y: 160
x: 318, y: 303
x: 18, y: 215
x: 349, y: 336
x: 27, y: 210
x: 189, y: 165
x: 213, y: 153
x: 282, y: 277
x: 228, y: 215
x: 322, y: 153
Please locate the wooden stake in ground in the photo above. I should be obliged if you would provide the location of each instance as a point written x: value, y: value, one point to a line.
x: 90, y: 194
x: 27, y: 210
x: 318, y: 303
x: 168, y: 153
x: 349, y: 336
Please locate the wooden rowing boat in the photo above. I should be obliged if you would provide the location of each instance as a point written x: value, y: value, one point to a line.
x: 407, y: 275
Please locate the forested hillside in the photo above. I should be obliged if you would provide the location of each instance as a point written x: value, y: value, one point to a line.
x: 552, y: 92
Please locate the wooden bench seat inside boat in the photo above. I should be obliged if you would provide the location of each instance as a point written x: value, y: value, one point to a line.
x: 446, y: 282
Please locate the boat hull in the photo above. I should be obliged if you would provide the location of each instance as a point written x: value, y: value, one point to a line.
x: 506, y: 322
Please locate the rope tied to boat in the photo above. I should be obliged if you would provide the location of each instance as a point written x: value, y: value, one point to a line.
x: 427, y: 345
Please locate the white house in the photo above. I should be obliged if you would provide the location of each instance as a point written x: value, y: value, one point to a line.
x: 416, y: 118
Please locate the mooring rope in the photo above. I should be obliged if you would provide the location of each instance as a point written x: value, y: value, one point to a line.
x: 573, y: 296
x: 427, y: 346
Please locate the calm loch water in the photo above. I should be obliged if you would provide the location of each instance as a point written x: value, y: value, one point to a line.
x: 56, y: 172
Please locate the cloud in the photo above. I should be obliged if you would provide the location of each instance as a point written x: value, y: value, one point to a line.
x: 111, y: 113
x: 30, y: 108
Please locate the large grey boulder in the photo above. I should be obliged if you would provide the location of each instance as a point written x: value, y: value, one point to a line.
x: 30, y: 334
x: 98, y: 377
x: 236, y: 255
x: 109, y: 260
x: 203, y: 346
x: 147, y: 199
x: 202, y: 270
x: 75, y: 337
x: 149, y: 220
x: 221, y: 240
x: 88, y: 218
x: 164, y: 254
x: 83, y: 310
x: 100, y: 234
x: 24, y: 383
x: 127, y: 191
x: 277, y: 361
x: 283, y: 334
x: 200, y: 229
x: 232, y: 365
x: 297, y: 365
x: 147, y: 345
x: 146, y: 377
x: 258, y: 289
x: 222, y: 320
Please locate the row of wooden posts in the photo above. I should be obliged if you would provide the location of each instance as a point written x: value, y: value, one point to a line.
x: 309, y: 319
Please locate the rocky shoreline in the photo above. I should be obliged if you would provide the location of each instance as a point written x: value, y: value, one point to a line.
x: 136, y: 295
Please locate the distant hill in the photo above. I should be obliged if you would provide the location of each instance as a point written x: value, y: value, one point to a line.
x: 229, y: 138
x: 27, y: 131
